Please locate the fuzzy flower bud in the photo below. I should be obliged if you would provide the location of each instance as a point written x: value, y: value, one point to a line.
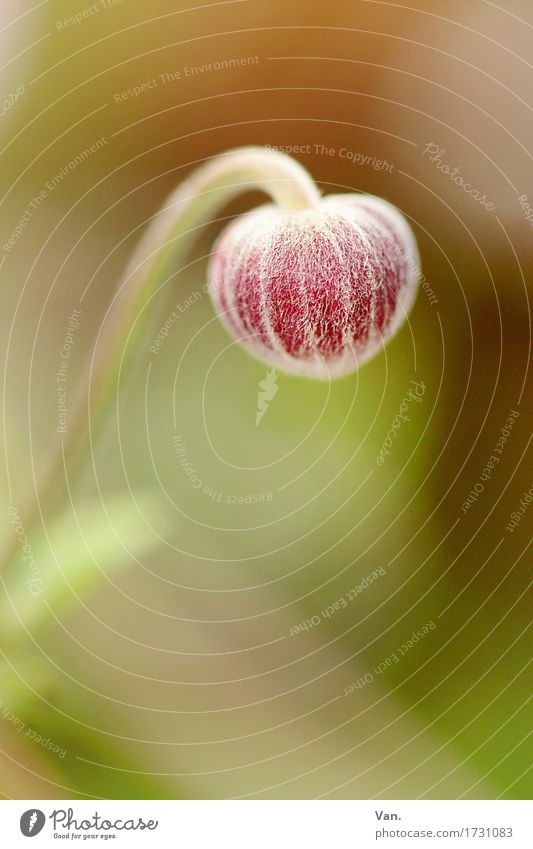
x: 315, y: 291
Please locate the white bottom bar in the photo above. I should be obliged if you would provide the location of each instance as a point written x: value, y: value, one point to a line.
x: 268, y: 824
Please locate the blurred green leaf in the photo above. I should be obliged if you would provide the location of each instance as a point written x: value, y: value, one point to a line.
x: 77, y: 551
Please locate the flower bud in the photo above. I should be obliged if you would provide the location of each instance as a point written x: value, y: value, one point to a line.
x: 316, y: 291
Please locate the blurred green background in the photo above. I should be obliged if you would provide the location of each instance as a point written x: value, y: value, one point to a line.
x: 158, y: 660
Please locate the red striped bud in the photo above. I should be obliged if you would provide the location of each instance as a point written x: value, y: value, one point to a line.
x: 315, y: 291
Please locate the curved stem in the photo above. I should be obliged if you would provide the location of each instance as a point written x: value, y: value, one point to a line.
x: 167, y: 238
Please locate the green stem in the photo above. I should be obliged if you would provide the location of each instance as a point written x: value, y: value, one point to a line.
x: 166, y: 240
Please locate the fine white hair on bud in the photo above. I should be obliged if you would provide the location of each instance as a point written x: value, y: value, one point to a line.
x: 315, y: 291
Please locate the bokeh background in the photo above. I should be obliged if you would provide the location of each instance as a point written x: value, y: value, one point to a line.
x: 156, y: 660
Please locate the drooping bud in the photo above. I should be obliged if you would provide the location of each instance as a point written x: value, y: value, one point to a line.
x: 315, y: 291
